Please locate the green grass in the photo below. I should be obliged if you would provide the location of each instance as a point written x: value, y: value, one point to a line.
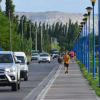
x: 92, y: 82
x: 28, y: 57
x: 91, y: 61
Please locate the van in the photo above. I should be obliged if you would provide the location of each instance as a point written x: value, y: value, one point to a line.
x: 24, y: 65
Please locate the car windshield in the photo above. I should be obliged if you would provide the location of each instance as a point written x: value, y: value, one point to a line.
x: 34, y: 54
x: 6, y: 58
x: 22, y: 60
x: 56, y: 52
x: 45, y: 54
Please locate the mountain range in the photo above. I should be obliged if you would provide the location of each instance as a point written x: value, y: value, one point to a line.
x: 56, y: 16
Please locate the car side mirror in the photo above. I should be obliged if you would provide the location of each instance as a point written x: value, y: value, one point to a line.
x: 18, y: 61
x: 28, y: 63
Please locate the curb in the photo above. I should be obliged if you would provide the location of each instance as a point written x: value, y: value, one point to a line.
x: 37, y: 90
x: 43, y: 93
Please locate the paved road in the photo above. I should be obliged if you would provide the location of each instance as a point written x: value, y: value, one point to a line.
x: 37, y: 72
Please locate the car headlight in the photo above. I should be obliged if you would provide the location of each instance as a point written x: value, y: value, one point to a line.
x: 48, y: 58
x: 10, y: 70
x: 7, y: 70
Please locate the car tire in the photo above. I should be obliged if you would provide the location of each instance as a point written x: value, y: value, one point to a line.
x: 31, y: 59
x: 26, y: 78
x: 15, y: 86
x: 39, y: 62
x: 53, y: 58
x: 49, y: 61
x: 19, y: 86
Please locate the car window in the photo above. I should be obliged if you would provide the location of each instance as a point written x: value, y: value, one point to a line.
x: 6, y: 58
x: 34, y: 54
x: 55, y: 52
x: 44, y: 54
x: 22, y: 60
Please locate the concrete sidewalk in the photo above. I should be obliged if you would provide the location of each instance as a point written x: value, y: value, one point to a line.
x: 71, y: 86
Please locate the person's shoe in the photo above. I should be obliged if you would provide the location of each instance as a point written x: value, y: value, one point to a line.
x: 65, y: 72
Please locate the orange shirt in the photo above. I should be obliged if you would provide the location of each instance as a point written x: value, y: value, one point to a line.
x: 66, y: 59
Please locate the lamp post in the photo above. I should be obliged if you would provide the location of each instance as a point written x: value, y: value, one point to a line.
x: 89, y: 10
x: 82, y: 23
x: 99, y: 37
x: 84, y: 20
x: 93, y: 4
x: 86, y: 17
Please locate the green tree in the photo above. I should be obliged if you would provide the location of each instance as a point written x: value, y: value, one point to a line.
x: 10, y: 7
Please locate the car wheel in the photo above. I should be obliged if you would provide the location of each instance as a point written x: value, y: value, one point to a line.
x: 26, y: 78
x: 49, y: 61
x: 31, y: 59
x: 19, y: 86
x: 53, y: 58
x: 39, y: 62
x: 15, y: 86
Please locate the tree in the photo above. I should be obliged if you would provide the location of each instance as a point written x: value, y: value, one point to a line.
x: 10, y: 7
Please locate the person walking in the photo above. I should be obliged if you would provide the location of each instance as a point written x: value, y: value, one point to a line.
x: 72, y: 56
x: 66, y: 59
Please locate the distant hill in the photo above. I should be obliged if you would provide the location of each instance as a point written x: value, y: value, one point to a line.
x: 56, y: 16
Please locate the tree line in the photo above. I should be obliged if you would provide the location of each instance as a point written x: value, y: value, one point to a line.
x: 23, y: 32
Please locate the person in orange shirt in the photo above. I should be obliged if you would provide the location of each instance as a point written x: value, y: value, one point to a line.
x: 66, y: 59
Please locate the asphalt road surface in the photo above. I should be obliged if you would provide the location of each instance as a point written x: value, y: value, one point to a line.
x: 37, y: 73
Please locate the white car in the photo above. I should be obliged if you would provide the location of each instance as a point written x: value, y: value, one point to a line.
x: 55, y: 54
x: 24, y: 65
x: 9, y: 70
x: 34, y: 56
x: 44, y: 57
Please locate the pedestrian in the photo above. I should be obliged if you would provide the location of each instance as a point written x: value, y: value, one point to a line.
x: 72, y: 56
x: 66, y: 59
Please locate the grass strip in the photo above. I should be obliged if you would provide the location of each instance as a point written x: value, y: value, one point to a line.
x: 92, y: 82
x: 28, y: 57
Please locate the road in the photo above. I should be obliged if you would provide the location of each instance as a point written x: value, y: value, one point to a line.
x: 37, y: 73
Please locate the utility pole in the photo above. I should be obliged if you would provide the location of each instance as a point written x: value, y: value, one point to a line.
x: 10, y: 31
x: 41, y: 38
x: 36, y: 41
x: 22, y: 36
x: 30, y: 38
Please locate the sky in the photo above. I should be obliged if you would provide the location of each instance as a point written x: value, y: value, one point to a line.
x: 69, y: 6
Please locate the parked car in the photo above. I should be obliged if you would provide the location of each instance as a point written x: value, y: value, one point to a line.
x: 34, y: 56
x: 44, y: 57
x: 24, y: 65
x: 9, y: 70
x: 55, y: 54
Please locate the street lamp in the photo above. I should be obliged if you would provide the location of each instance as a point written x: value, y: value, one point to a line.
x: 93, y: 4
x: 82, y: 23
x: 89, y: 10
x: 99, y: 37
x: 84, y: 20
x: 86, y: 17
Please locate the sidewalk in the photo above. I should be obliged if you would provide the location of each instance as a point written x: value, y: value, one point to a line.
x: 71, y: 86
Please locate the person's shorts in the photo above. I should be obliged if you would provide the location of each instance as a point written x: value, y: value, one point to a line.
x: 72, y: 56
x: 66, y: 65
